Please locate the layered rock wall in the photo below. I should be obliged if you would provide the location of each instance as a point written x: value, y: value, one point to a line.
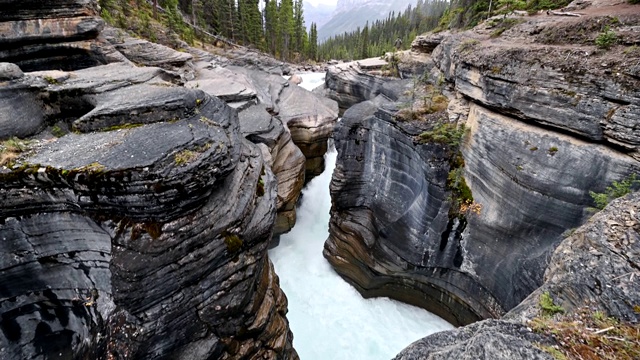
x: 140, y: 230
x: 544, y: 127
x: 590, y: 272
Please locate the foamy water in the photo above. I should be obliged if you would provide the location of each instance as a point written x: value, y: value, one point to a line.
x: 330, y: 320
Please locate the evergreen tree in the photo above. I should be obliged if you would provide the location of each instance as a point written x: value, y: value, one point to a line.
x: 379, y: 37
x: 313, y: 43
x: 364, y: 42
x: 285, y: 14
x: 271, y: 25
x: 299, y: 30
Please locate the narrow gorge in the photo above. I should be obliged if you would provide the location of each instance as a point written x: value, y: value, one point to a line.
x: 144, y: 190
x: 141, y: 188
x: 459, y: 188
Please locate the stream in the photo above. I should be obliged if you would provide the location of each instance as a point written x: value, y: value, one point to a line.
x: 328, y: 317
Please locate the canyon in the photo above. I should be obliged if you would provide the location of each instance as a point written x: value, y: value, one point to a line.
x: 142, y: 186
x: 478, y: 227
x: 140, y: 192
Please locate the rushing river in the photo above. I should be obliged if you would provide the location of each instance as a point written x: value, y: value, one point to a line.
x: 328, y: 317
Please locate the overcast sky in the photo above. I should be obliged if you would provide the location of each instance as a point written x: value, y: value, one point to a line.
x: 328, y: 2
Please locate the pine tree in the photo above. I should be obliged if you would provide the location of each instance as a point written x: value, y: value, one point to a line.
x: 299, y: 30
x: 313, y: 43
x: 271, y: 25
x: 285, y: 14
x: 364, y: 47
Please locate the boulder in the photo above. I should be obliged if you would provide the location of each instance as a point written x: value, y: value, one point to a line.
x: 224, y: 83
x: 21, y: 113
x: 427, y: 43
x: 348, y: 85
x: 9, y: 71
x: 295, y: 79
x: 489, y: 339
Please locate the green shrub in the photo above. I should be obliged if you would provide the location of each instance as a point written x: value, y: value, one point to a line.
x: 616, y: 190
x: 606, y: 38
x: 443, y: 133
x: 547, y: 305
x: 232, y: 241
x: 57, y: 131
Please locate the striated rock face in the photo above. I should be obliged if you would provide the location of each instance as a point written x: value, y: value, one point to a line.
x: 388, y: 195
x: 578, y: 97
x: 148, y: 242
x: 592, y: 269
x: 348, y: 85
x: 310, y: 121
x: 596, y: 267
x: 60, y: 34
x: 542, y: 133
x: 283, y: 156
x: 308, y: 118
x: 141, y: 230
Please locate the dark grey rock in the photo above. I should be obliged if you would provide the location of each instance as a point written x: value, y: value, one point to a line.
x: 490, y: 339
x: 144, y: 234
x: 427, y: 43
x: 146, y: 53
x: 348, y: 85
x: 592, y: 270
x: 559, y: 89
x: 140, y: 104
x: 21, y: 112
x: 596, y: 267
x: 286, y: 161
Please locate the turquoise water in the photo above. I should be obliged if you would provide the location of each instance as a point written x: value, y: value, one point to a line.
x: 328, y: 317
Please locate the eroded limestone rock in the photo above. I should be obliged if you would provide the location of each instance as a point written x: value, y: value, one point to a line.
x: 142, y: 234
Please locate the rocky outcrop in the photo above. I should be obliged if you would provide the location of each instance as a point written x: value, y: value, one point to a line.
x: 489, y: 339
x: 141, y: 229
x: 142, y: 52
x: 308, y: 118
x: 157, y: 225
x: 58, y: 35
x: 592, y: 269
x: 291, y: 122
x: 540, y: 136
x: 283, y: 156
x: 348, y: 85
x: 579, y: 96
x: 596, y: 267
x: 310, y: 121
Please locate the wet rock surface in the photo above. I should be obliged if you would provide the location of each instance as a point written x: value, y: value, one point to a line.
x: 141, y: 229
x: 531, y: 156
x: 592, y: 269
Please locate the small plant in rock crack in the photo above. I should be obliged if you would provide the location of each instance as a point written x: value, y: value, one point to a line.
x: 11, y: 149
x: 606, y: 39
x: 547, y: 306
x: 615, y: 190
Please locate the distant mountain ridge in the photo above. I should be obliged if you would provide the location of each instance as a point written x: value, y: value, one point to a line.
x: 351, y: 14
x: 319, y: 14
